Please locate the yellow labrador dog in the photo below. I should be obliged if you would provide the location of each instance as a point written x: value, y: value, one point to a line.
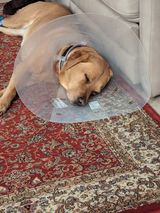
x: 84, y: 71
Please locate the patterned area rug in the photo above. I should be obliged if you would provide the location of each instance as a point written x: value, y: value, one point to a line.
x: 104, y: 167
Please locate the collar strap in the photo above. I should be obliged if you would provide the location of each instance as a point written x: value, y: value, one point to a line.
x: 66, y: 53
x: 1, y: 20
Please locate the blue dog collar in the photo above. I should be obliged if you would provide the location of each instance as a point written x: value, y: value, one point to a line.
x: 1, y: 20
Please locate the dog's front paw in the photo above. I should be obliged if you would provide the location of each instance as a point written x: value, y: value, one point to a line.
x: 4, y: 104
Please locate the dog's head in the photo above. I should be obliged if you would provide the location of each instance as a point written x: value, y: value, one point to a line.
x: 83, y: 74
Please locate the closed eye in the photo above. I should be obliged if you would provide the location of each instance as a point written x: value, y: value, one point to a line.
x: 94, y: 93
x: 87, y: 78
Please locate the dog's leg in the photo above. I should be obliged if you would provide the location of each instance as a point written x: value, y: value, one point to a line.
x: 17, y: 21
x: 16, y: 24
x: 9, y: 31
x: 8, y: 95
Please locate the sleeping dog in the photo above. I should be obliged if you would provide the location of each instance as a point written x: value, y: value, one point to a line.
x: 84, y: 71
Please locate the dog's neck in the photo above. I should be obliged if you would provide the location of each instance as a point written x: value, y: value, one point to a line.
x: 65, y: 53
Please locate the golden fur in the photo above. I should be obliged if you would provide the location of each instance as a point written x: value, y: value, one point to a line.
x: 85, y: 71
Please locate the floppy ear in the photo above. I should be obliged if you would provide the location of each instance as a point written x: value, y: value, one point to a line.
x: 103, y: 80
x: 71, y: 63
x: 77, y: 57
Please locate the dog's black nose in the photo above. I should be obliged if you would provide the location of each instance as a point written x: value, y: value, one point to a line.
x: 81, y: 101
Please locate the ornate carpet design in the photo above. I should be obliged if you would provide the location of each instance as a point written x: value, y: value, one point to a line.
x: 104, y: 166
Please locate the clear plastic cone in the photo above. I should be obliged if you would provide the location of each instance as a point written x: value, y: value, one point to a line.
x: 37, y: 83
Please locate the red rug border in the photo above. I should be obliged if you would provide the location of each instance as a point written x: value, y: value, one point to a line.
x: 148, y: 208
x: 152, y: 113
